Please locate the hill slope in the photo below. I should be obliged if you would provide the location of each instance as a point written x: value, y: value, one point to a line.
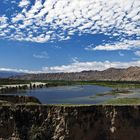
x: 111, y: 74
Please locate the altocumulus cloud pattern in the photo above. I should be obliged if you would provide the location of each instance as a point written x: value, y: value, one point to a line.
x: 49, y: 20
x: 113, y: 27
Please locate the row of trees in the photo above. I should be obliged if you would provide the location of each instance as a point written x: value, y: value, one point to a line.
x: 20, y: 87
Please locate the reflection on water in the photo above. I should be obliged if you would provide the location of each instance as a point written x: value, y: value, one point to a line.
x: 69, y: 94
x: 85, y: 94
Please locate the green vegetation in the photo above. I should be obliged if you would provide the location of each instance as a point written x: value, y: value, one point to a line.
x: 113, y: 84
x: 124, y: 101
x: 115, y: 92
x: 70, y: 105
x: 12, y: 82
x: 118, y: 88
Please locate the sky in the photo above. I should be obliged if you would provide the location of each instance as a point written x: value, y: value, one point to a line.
x: 69, y: 35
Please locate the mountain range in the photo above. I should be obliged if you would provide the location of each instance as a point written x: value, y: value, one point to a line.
x: 111, y: 74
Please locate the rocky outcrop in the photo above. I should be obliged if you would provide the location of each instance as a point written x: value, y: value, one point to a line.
x: 131, y: 74
x: 111, y: 74
x: 98, y: 122
x: 16, y: 99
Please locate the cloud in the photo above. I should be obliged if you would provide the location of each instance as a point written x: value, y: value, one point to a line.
x: 75, y: 59
x: 95, y: 65
x: 24, y: 3
x: 121, y: 54
x: 42, y: 55
x: 19, y: 70
x: 3, y: 19
x: 78, y: 67
x: 125, y: 45
x: 57, y: 47
x: 61, y: 19
x: 137, y: 53
x: 18, y: 18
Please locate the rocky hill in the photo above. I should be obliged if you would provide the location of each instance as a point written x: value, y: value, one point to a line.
x: 111, y: 74
x: 101, y: 122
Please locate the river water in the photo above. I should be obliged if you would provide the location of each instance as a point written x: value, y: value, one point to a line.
x: 85, y: 94
x: 69, y: 94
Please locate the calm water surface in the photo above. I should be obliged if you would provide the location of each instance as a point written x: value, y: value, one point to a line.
x: 86, y: 94
x: 69, y: 94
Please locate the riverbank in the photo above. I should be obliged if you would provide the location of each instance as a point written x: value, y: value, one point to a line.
x: 63, y: 92
x: 33, y: 122
x: 16, y: 99
x: 9, y: 85
x: 19, y: 87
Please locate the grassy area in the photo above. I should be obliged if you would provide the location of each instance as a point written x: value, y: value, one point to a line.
x: 13, y: 82
x: 116, y: 84
x: 115, y: 92
x: 120, y: 101
x: 70, y: 105
x: 113, y: 84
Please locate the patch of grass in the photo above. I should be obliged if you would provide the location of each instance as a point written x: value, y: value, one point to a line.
x: 115, y: 92
x: 13, y: 82
x: 128, y: 101
x: 52, y: 83
x: 70, y: 105
x: 112, y: 84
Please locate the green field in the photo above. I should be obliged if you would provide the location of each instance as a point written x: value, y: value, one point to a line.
x: 120, y: 101
x: 113, y: 84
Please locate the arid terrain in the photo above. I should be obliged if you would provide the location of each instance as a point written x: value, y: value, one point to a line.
x: 111, y: 74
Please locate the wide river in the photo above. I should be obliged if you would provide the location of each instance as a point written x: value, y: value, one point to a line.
x: 85, y: 94
x: 69, y: 94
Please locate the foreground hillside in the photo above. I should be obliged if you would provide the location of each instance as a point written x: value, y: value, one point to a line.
x: 36, y: 122
x: 113, y: 74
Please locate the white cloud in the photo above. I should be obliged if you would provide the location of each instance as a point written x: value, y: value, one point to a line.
x: 125, y: 45
x: 19, y: 70
x: 114, y: 18
x: 13, y: 1
x: 18, y: 18
x: 57, y: 47
x: 81, y: 66
x: 41, y: 38
x: 121, y: 54
x: 3, y: 19
x: 42, y: 55
x: 24, y: 3
x: 137, y: 53
x: 75, y: 59
x: 34, y: 9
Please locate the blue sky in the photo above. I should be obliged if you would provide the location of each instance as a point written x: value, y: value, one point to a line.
x: 69, y: 35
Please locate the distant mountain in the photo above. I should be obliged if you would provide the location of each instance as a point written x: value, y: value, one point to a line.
x: 111, y: 74
x: 8, y: 74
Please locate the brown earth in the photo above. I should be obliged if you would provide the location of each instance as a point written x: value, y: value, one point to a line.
x: 98, y: 122
x: 112, y: 74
